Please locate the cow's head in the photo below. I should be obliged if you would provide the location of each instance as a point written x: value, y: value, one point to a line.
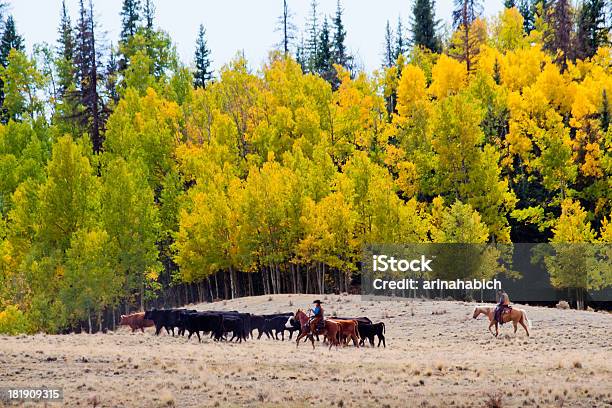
x: 122, y: 321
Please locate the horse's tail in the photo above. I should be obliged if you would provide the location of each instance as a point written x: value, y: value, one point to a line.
x: 527, y: 319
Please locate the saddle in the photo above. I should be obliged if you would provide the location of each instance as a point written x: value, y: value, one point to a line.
x: 318, y: 328
x: 501, y: 310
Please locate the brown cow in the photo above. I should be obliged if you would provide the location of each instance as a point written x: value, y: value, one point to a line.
x: 136, y: 321
x: 348, y: 330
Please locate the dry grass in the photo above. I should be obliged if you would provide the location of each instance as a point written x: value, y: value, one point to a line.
x: 430, y: 360
x: 494, y: 400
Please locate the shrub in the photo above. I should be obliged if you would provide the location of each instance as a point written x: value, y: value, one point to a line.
x: 13, y: 321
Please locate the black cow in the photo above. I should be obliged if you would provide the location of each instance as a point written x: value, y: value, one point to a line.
x: 278, y: 325
x: 168, y: 319
x: 180, y: 324
x: 258, y: 322
x: 369, y: 331
x: 235, y: 324
x: 196, y: 322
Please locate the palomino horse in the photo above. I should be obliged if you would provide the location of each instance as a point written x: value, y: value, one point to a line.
x: 516, y: 315
x: 330, y: 330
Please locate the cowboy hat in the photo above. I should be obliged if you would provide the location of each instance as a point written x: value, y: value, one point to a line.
x: 317, y: 301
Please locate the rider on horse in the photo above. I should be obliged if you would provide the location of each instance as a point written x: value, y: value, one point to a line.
x: 316, y: 319
x: 502, y: 305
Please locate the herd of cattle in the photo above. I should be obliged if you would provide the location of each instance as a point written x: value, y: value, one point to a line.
x: 220, y: 324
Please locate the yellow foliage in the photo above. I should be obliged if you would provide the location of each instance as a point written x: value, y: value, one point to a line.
x: 449, y: 76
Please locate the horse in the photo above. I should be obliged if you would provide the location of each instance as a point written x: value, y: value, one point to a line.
x: 330, y: 330
x: 516, y: 315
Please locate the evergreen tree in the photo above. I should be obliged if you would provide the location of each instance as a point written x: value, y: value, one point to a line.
x: 340, y: 54
x: 388, y: 59
x: 300, y: 55
x: 526, y: 8
x: 312, y: 44
x: 149, y: 14
x: 203, y: 72
x: 400, y: 41
x: 592, y: 32
x: 130, y: 18
x: 424, y: 25
x: 10, y: 41
x: 558, y: 38
x: 287, y: 29
x: 111, y: 82
x: 465, y: 13
x: 65, y: 51
x: 324, y: 54
x: 86, y: 60
x: 510, y: 3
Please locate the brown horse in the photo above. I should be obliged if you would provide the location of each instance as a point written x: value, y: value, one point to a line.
x: 330, y: 330
x: 515, y: 315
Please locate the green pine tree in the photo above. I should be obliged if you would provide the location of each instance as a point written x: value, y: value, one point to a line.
x: 424, y: 25
x: 340, y: 53
x: 10, y: 40
x: 400, y: 41
x: 203, y: 72
x: 592, y: 32
x: 148, y: 14
x: 130, y: 19
x: 324, y: 54
x: 388, y: 53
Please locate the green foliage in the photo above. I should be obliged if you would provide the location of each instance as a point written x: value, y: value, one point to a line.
x: 287, y: 175
x: 424, y: 26
x: 13, y: 321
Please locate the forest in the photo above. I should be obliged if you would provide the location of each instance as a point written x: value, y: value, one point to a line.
x: 129, y: 178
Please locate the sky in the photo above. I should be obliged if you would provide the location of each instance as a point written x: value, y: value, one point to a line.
x: 233, y: 26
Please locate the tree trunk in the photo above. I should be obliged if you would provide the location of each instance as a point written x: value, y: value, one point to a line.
x: 217, y: 286
x: 279, y: 283
x: 141, y: 295
x: 232, y: 287
x: 210, y: 288
x: 323, y: 278
x: 89, y: 321
x: 225, y: 288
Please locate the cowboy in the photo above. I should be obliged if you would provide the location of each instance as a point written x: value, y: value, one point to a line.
x: 317, y: 315
x: 503, y: 303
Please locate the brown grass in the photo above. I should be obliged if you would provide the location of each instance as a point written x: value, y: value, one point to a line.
x: 430, y: 360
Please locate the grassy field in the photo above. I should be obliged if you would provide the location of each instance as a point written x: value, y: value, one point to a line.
x: 436, y: 355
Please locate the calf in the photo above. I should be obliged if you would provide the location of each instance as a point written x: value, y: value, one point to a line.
x: 369, y: 331
x: 348, y: 330
x: 136, y: 321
